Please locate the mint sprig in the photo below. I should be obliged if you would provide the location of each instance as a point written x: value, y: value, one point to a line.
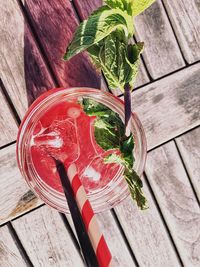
x: 99, y: 25
x: 109, y: 133
x: 113, y: 58
x: 106, y: 36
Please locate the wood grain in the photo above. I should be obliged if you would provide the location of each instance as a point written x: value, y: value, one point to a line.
x: 184, y: 15
x: 146, y: 233
x: 84, y: 9
x: 16, y: 197
x: 176, y: 199
x: 169, y: 106
x: 161, y: 53
x: 37, y: 76
x: 55, y: 36
x: 189, y: 146
x: 8, y: 125
x: 9, y: 254
x: 46, y: 239
x: 23, y: 71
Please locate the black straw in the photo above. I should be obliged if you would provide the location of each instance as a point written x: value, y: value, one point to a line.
x: 127, y: 102
x: 85, y: 243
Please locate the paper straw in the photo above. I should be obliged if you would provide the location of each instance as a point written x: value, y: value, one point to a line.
x: 97, y: 239
x: 89, y: 254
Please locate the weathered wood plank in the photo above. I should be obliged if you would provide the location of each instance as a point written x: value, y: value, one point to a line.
x: 184, y: 15
x: 12, y: 64
x: 169, y: 106
x: 23, y: 71
x: 114, y: 239
x: 189, y: 146
x: 8, y: 125
x: 142, y: 77
x: 176, y: 199
x: 55, y: 36
x: 16, y: 197
x: 9, y: 254
x: 37, y: 76
x: 146, y: 233
x: 84, y: 8
x: 46, y: 239
x: 161, y: 53
x: 166, y: 108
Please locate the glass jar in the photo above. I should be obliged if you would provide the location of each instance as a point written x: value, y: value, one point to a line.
x: 111, y: 194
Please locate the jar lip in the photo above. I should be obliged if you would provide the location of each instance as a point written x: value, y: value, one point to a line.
x: 139, y: 135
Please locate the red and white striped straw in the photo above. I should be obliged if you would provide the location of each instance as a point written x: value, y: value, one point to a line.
x: 97, y: 239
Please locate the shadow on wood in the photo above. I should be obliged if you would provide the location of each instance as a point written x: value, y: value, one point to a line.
x: 53, y: 25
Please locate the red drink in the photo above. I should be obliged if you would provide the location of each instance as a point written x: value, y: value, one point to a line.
x: 57, y: 126
x: 66, y: 132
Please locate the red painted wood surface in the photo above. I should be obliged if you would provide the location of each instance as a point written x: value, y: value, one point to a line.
x: 84, y: 8
x: 36, y: 75
x: 54, y: 23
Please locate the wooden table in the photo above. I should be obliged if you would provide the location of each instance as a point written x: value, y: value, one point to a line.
x: 34, y: 35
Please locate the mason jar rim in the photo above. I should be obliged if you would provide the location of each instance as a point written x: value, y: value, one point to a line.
x: 105, y: 198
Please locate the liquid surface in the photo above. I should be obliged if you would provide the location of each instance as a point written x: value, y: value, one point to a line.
x: 66, y: 133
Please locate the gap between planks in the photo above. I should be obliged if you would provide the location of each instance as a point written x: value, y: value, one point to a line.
x: 71, y: 233
x: 10, y: 103
x: 164, y: 76
x: 172, y: 27
x: 188, y: 175
x: 162, y: 218
x: 19, y: 245
x: 38, y: 43
x: 124, y: 237
x: 179, y: 207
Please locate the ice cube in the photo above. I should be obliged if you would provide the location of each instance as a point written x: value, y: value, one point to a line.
x: 92, y: 174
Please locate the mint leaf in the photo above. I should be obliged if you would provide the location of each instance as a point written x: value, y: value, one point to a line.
x: 126, y: 148
x: 133, y: 180
x: 134, y: 51
x: 110, y: 134
x: 124, y: 5
x: 138, y: 6
x: 135, y: 187
x: 104, y: 134
x: 100, y: 10
x: 118, y: 61
x: 94, y: 52
x: 132, y: 7
x: 93, y: 108
x: 111, y: 55
x: 113, y: 64
x: 97, y: 27
x: 109, y: 128
x: 114, y: 158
